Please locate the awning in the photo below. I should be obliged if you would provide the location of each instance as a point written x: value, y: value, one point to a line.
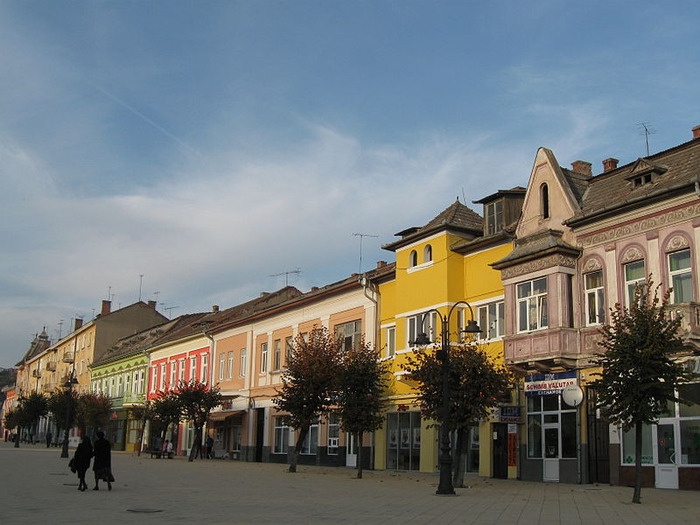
x: 220, y: 416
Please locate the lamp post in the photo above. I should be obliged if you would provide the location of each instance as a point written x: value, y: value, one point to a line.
x: 445, y: 486
x: 69, y: 399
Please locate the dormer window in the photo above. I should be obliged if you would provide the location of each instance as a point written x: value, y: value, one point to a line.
x: 494, y: 217
x: 641, y: 180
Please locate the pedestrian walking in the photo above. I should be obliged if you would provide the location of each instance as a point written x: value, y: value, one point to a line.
x: 103, y: 461
x: 81, y: 461
x: 210, y: 447
x: 49, y: 435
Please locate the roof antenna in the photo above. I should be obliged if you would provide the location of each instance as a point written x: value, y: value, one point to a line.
x: 287, y: 274
x: 646, y: 130
x: 361, y: 235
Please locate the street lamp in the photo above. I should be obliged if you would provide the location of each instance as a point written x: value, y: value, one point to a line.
x: 445, y: 486
x: 69, y: 399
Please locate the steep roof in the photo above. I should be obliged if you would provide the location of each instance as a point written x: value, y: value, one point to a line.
x: 457, y: 217
x: 39, y: 344
x: 674, y: 170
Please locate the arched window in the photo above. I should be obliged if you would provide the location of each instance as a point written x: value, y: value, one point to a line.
x: 413, y: 259
x: 427, y: 253
x: 544, y: 199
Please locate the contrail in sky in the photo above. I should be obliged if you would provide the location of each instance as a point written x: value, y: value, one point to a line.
x: 148, y: 120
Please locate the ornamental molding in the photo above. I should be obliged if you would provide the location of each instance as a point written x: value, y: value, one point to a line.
x: 539, y: 264
x: 677, y: 242
x: 642, y: 226
x: 592, y: 264
x: 632, y: 254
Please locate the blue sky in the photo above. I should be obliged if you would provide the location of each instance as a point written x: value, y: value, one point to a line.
x: 209, y: 145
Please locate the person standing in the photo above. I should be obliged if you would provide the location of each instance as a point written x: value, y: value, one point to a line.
x: 210, y: 447
x: 103, y: 461
x: 49, y: 435
x: 81, y: 461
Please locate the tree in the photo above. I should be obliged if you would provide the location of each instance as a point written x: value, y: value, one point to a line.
x: 361, y: 384
x: 639, y: 378
x: 197, y: 400
x: 92, y: 411
x: 33, y: 407
x: 476, y: 385
x: 309, y: 384
x: 142, y: 413
x: 62, y: 405
x: 166, y: 410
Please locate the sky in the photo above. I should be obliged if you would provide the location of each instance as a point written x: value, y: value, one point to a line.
x: 191, y: 153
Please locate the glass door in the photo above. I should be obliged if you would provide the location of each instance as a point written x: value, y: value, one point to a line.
x: 551, y: 453
x: 666, y: 464
x: 351, y: 454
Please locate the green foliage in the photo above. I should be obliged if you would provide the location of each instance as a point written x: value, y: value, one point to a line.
x: 196, y: 401
x: 639, y: 378
x: 12, y: 418
x: 476, y: 383
x: 32, y: 407
x: 62, y: 404
x: 360, y: 385
x: 166, y: 408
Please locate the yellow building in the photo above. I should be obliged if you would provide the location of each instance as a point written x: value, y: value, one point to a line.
x: 439, y: 267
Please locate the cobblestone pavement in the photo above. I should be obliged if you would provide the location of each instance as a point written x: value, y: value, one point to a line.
x: 37, y: 487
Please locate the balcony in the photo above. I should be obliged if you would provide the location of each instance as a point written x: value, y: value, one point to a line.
x: 68, y: 357
x: 51, y: 366
x: 690, y: 318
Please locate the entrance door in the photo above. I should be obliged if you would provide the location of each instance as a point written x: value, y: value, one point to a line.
x: 551, y: 453
x: 500, y: 450
x: 259, y: 433
x: 351, y: 454
x: 666, y: 467
x: 598, y: 442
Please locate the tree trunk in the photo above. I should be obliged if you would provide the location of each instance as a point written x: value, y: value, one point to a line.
x: 636, y: 498
x: 197, y: 445
x: 17, y: 435
x: 458, y: 453
x: 143, y: 431
x: 297, y: 448
x: 358, y: 444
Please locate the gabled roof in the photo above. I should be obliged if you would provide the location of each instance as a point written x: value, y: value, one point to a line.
x: 674, y: 171
x: 40, y: 344
x: 457, y: 218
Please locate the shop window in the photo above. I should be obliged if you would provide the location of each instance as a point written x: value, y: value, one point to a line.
x: 680, y: 276
x: 551, y: 428
x: 281, y: 435
x: 532, y: 305
x: 403, y: 441
x: 595, y: 298
x: 628, y: 447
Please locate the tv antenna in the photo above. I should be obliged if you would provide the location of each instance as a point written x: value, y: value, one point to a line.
x: 646, y: 130
x: 286, y: 275
x: 169, y: 310
x: 361, y: 236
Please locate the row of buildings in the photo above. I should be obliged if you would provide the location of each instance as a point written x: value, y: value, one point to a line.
x: 539, y: 269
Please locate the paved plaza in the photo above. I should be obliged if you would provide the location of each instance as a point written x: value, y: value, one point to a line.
x: 38, y: 488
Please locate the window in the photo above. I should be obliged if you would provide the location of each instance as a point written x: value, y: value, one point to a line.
x: 193, y: 368
x: 595, y: 298
x: 263, y: 358
x: 135, y: 387
x: 628, y: 446
x: 230, y: 365
x: 681, y: 277
x: 244, y: 356
x: 162, y: 377
x: 120, y: 392
x: 111, y: 385
x: 222, y: 364
x: 350, y: 334
x: 281, y: 435
x: 333, y: 433
x: 278, y: 354
x: 494, y: 217
x: 532, y: 305
x: 141, y: 381
x: 421, y: 323
x: 181, y: 370
x: 205, y: 368
x: 390, y: 341
x: 641, y: 180
x: 427, y: 253
x: 634, y: 275
x: 490, y: 319
x: 544, y: 199
x: 310, y: 445
x: 173, y: 374
x: 413, y: 259
x: 288, y: 346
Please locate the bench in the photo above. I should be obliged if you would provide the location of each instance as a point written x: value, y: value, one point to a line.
x: 154, y: 452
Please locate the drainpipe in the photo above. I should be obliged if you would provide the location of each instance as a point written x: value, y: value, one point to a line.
x: 368, y: 287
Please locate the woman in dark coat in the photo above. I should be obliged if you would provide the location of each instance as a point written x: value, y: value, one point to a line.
x: 81, y: 461
x: 103, y: 461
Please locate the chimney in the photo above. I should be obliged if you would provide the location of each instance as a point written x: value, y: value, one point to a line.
x: 381, y: 264
x: 78, y: 323
x: 314, y: 288
x: 152, y: 304
x: 106, y: 307
x: 215, y: 308
x: 581, y: 166
x: 609, y: 164
x: 696, y: 132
